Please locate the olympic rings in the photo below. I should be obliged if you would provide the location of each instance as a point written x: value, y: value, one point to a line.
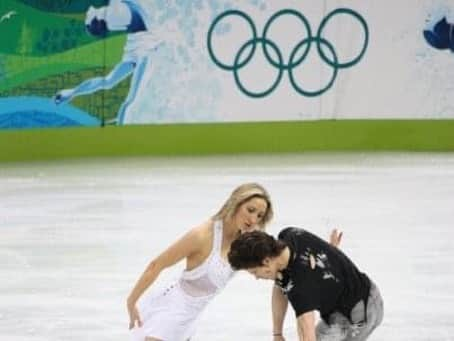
x: 236, y: 67
x: 210, y: 33
x: 293, y: 61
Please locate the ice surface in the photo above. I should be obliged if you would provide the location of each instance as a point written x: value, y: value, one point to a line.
x: 75, y: 235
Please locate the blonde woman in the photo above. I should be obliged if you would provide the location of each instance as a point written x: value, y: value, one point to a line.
x: 171, y: 314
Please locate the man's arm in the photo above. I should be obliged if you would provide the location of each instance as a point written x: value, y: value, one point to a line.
x: 335, y: 237
x: 279, y: 303
x: 306, y: 324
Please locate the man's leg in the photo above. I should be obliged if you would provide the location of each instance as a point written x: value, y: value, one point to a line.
x: 335, y: 331
x: 341, y: 329
x: 361, y: 331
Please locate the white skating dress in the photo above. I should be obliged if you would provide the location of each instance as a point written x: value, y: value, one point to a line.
x: 171, y: 314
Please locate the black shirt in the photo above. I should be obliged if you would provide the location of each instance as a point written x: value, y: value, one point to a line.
x: 319, y: 276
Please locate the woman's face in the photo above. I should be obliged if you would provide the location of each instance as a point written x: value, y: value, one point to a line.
x: 250, y: 214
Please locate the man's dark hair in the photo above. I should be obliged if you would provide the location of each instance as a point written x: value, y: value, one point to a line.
x: 250, y: 249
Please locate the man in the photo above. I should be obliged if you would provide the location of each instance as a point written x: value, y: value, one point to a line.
x: 314, y: 276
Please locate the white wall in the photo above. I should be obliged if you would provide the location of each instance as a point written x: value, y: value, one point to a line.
x: 400, y: 75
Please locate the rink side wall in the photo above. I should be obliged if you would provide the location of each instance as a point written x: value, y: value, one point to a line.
x: 230, y: 138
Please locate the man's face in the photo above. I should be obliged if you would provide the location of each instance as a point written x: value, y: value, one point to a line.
x: 267, y: 271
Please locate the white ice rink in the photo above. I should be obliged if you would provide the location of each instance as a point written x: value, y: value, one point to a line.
x: 75, y: 236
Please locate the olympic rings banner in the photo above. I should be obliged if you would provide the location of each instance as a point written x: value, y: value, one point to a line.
x: 116, y: 62
x: 295, y: 59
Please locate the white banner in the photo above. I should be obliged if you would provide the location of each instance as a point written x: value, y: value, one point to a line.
x: 214, y: 61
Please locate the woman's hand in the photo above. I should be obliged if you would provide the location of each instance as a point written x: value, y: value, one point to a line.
x: 335, y: 237
x: 134, y: 317
x: 278, y: 338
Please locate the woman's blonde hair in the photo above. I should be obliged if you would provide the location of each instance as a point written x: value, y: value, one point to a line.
x: 240, y: 195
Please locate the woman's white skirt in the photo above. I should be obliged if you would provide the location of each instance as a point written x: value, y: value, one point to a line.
x: 169, y: 315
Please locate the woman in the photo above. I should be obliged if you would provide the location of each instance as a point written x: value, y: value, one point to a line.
x: 172, y: 313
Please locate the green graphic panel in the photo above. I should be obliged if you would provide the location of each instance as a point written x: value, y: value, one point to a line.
x: 45, y: 49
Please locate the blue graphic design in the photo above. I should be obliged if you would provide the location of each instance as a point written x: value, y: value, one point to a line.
x: 171, y: 78
x: 441, y: 35
x: 39, y: 112
x: 126, y: 16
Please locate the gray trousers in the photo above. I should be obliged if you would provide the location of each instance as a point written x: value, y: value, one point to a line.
x: 341, y: 329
